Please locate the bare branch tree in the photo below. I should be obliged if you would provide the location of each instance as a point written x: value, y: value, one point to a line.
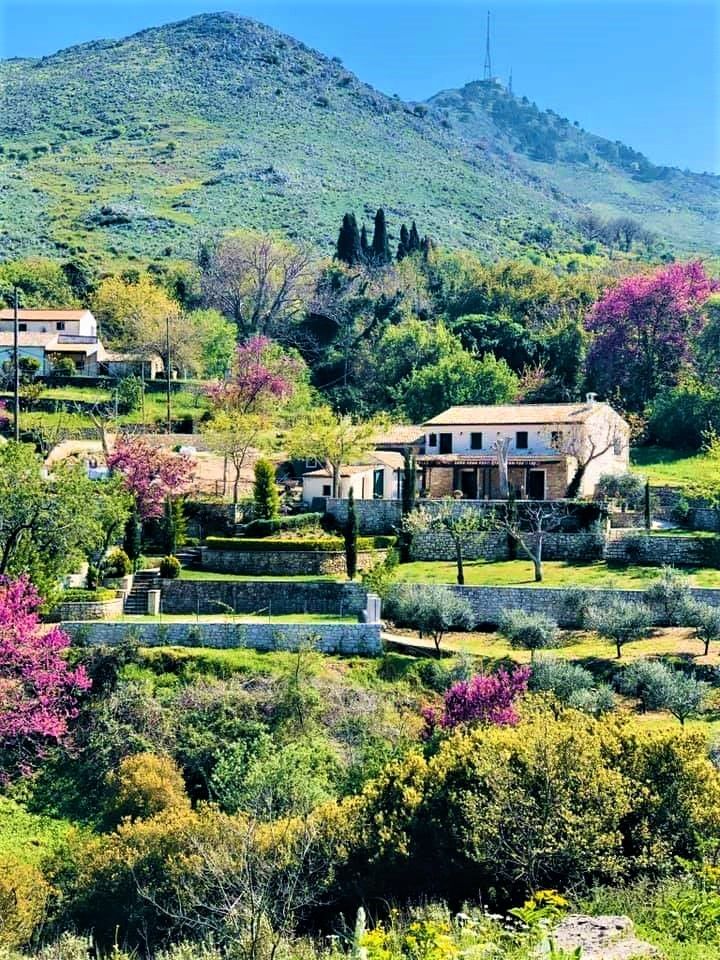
x: 528, y: 526
x: 584, y: 447
x: 258, y: 282
x: 245, y: 883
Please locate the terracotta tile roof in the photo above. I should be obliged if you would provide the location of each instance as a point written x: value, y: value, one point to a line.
x: 40, y: 315
x: 399, y: 434
x: 516, y: 413
x: 387, y: 458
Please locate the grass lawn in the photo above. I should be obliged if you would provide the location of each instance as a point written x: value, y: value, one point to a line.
x: 662, y: 466
x: 209, y: 575
x: 557, y: 573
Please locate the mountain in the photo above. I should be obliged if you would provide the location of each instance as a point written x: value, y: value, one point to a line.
x: 143, y: 146
x: 610, y: 177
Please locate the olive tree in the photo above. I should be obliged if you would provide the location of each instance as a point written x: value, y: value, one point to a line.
x: 432, y: 608
x: 529, y: 631
x: 458, y: 525
x: 621, y: 621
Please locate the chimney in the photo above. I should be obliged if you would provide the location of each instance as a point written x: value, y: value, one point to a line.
x: 590, y: 398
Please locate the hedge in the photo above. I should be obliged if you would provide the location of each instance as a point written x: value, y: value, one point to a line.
x: 80, y: 595
x: 324, y: 544
x: 264, y: 527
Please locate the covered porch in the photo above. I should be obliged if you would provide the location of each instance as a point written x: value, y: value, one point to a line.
x: 478, y: 478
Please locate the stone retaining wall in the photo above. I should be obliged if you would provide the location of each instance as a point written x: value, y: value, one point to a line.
x: 625, y: 546
x: 495, y: 546
x: 286, y: 562
x: 374, y: 516
x: 254, y: 596
x: 668, y: 504
x: 559, y: 603
x: 90, y: 610
x: 348, y: 638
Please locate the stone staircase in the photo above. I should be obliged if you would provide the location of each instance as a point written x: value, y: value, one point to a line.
x: 190, y: 557
x: 136, y: 602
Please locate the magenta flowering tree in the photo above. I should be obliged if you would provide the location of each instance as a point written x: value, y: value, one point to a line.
x: 38, y: 689
x: 643, y: 332
x: 487, y: 698
x: 151, y: 473
x: 262, y: 374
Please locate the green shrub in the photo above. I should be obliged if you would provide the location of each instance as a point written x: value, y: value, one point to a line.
x: 628, y: 488
x: 560, y: 678
x: 265, y: 528
x: 143, y: 785
x: 169, y: 568
x: 324, y: 544
x: 117, y: 564
x: 128, y: 395
x: 265, y: 492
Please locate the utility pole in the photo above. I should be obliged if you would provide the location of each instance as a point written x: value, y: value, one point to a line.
x: 167, y: 372
x: 16, y: 367
x: 487, y: 70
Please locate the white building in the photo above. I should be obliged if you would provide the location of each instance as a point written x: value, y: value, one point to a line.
x: 546, y: 444
x: 378, y: 477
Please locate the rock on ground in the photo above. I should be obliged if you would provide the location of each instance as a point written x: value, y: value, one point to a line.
x: 602, y: 938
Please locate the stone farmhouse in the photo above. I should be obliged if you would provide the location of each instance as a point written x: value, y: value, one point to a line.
x: 544, y: 445
x: 51, y: 335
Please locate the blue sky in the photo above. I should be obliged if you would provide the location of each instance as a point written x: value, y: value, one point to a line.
x: 646, y: 72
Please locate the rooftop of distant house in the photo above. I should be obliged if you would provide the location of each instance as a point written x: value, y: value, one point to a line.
x: 42, y: 314
x: 379, y: 458
x: 514, y: 413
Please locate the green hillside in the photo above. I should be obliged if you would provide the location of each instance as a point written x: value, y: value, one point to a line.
x: 611, y: 178
x: 143, y: 146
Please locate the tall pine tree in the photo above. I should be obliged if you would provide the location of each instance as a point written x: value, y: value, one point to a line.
x: 380, y: 244
x: 348, y: 242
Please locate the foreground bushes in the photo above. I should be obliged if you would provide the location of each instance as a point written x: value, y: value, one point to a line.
x: 497, y: 810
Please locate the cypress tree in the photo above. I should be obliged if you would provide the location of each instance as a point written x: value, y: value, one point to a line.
x: 380, y: 244
x: 404, y: 245
x: 409, y: 495
x: 348, y: 242
x: 132, y: 538
x: 351, y: 538
x: 414, y: 239
x: 364, y: 244
x: 265, y: 493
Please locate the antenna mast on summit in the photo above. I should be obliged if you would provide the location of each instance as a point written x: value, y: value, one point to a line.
x: 510, y: 81
x: 487, y: 70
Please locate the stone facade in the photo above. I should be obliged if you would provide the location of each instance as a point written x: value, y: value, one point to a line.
x: 496, y: 546
x: 92, y: 610
x: 346, y: 638
x: 442, y: 481
x: 286, y: 562
x: 559, y: 603
x: 255, y: 596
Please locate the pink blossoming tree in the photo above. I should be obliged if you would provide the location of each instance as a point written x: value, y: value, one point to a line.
x: 487, y: 698
x: 151, y: 473
x: 262, y: 375
x: 643, y: 332
x: 38, y: 690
